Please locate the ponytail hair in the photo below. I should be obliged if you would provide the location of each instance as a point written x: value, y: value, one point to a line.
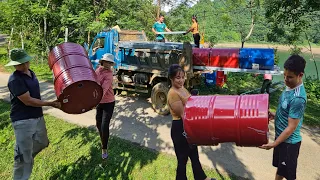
x: 195, y: 18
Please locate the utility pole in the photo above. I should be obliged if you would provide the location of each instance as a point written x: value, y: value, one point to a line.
x: 158, y: 13
x: 204, y: 25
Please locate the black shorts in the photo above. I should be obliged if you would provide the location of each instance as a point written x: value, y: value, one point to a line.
x: 285, y: 158
x: 160, y: 40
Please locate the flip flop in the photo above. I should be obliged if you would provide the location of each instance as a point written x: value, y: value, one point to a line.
x: 105, y: 156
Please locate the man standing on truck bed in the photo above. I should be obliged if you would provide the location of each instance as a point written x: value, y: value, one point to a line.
x: 159, y: 27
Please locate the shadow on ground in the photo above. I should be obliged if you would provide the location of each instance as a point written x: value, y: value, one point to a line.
x: 123, y: 158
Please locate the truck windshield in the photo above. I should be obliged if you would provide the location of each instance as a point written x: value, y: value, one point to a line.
x: 99, y: 43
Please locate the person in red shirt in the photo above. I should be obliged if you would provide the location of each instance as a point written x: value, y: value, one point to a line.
x: 106, y: 106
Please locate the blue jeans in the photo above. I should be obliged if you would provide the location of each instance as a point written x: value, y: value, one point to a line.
x: 31, y: 138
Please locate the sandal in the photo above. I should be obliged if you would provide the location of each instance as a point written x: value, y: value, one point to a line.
x: 105, y: 156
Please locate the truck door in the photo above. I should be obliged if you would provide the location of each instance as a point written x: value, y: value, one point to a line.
x: 96, y: 51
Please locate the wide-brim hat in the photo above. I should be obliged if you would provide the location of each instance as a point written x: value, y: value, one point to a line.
x: 107, y: 57
x: 18, y: 56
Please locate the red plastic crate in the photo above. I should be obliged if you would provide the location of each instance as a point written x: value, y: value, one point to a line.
x: 200, y: 56
x: 228, y: 58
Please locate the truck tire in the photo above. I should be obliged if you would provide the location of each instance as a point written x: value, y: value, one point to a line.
x: 159, y: 98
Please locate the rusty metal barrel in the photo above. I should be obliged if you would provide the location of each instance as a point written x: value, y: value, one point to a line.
x: 75, y: 81
x: 210, y: 120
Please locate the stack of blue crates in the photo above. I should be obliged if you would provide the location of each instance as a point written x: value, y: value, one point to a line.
x: 259, y: 58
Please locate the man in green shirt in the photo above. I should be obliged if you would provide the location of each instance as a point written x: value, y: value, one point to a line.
x: 159, y: 27
x: 288, y: 120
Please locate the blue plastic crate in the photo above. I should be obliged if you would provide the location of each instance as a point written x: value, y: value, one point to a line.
x: 256, y: 58
x: 210, y: 79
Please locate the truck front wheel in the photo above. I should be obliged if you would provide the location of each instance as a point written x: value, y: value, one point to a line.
x: 159, y: 98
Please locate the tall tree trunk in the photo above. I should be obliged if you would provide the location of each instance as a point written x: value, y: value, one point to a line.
x: 22, y: 42
x: 88, y: 37
x: 66, y: 35
x: 45, y: 28
x: 159, y: 8
x: 252, y: 25
x: 313, y: 59
x: 10, y: 40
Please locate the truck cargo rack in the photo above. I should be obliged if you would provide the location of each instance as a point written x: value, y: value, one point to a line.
x: 167, y: 46
x: 207, y: 69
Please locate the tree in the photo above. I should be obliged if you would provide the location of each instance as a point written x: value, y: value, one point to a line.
x: 296, y: 15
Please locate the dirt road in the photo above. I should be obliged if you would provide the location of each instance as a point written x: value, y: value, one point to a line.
x: 135, y: 120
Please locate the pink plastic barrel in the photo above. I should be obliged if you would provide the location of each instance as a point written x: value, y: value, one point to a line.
x: 75, y: 81
x: 210, y: 120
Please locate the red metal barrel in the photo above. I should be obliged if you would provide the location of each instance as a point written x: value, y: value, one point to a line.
x: 74, y: 78
x: 210, y: 120
x: 63, y: 50
x: 226, y: 57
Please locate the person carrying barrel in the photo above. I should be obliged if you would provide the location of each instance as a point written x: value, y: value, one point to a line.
x: 106, y: 106
x: 288, y: 120
x: 26, y: 114
x: 195, y: 31
x: 177, y: 98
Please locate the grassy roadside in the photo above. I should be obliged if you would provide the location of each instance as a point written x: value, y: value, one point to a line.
x: 74, y: 153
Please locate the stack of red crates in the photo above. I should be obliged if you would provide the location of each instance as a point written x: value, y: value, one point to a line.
x: 216, y: 57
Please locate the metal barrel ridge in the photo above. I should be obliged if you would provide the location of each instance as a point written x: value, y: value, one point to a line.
x: 210, y: 120
x: 75, y: 81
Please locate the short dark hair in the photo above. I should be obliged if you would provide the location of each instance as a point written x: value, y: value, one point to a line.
x: 161, y: 15
x: 295, y: 64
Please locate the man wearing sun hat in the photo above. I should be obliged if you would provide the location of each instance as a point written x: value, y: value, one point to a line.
x: 26, y: 114
x: 107, y: 103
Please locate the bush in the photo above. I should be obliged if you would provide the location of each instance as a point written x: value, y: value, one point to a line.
x: 313, y: 88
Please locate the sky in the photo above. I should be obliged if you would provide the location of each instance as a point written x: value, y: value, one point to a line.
x: 167, y: 8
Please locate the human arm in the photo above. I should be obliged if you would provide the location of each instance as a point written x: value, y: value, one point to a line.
x: 271, y: 115
x: 30, y: 101
x: 154, y: 31
x: 297, y: 107
x: 19, y: 89
x: 106, y: 84
x: 175, y: 103
x: 190, y: 29
x: 178, y: 108
x: 166, y: 28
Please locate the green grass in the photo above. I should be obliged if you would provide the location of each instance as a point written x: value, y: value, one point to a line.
x: 74, y: 153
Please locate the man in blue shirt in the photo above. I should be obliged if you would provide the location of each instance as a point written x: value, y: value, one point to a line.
x: 288, y: 120
x: 26, y: 114
x: 159, y: 27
